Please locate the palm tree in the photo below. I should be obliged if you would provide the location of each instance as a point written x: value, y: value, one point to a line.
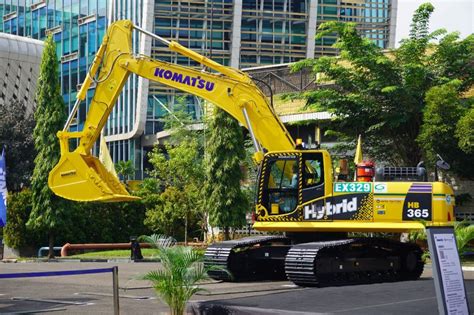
x: 463, y: 231
x: 125, y: 168
x: 464, y: 234
x: 158, y: 240
x: 182, y: 270
x: 177, y: 282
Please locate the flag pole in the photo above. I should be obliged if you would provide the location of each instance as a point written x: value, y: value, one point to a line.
x: 358, y: 155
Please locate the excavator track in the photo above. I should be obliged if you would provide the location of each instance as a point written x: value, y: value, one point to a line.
x: 250, y: 258
x: 353, y: 261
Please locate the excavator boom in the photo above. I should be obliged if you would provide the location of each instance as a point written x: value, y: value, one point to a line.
x: 80, y: 176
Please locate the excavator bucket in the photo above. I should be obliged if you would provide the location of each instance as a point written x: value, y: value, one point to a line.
x: 84, y: 178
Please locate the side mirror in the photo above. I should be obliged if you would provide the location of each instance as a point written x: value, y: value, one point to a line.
x: 443, y: 165
x: 440, y: 164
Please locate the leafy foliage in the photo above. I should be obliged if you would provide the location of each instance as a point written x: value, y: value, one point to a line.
x: 49, y: 211
x: 383, y: 95
x: 16, y: 233
x: 463, y: 231
x: 417, y: 235
x: 158, y: 240
x: 169, y: 213
x: 87, y: 223
x: 179, y: 278
x: 226, y: 202
x: 464, y: 234
x: 15, y: 134
x: 438, y: 134
x: 125, y: 169
x: 465, y: 131
x: 104, y: 222
x: 173, y: 195
x: 250, y: 177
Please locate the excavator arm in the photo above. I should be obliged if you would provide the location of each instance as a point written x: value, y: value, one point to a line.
x: 81, y: 176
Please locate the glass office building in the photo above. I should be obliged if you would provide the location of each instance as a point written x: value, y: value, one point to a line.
x: 78, y: 27
x: 249, y: 33
x: 240, y: 33
x: 271, y: 31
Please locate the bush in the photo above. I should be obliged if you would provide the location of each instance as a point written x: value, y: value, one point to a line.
x: 15, y: 233
x: 86, y: 223
x: 104, y: 223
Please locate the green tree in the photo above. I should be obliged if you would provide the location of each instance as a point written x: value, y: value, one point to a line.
x: 176, y: 177
x: 172, y: 195
x: 49, y: 211
x: 165, y: 216
x: 443, y: 111
x: 382, y: 95
x: 225, y: 200
x: 15, y: 135
x: 465, y: 131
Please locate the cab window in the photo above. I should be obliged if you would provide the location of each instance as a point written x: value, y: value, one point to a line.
x: 312, y: 172
x: 283, y: 174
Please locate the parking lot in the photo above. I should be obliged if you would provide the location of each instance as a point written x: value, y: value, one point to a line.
x: 92, y: 294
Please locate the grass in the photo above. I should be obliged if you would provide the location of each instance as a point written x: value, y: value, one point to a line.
x: 121, y: 253
x: 112, y: 254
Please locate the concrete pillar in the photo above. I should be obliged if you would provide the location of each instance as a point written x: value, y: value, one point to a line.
x: 311, y: 31
x: 236, y: 36
x: 392, y: 27
x: 144, y: 47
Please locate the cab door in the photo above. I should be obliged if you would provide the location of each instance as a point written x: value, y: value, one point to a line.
x: 312, y: 176
x: 281, y: 180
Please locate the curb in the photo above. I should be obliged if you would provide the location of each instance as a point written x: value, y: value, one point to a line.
x: 210, y: 308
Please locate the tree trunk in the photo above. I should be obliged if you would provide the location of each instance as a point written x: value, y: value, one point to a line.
x: 205, y: 228
x: 51, y: 245
x: 226, y: 233
x: 186, y: 230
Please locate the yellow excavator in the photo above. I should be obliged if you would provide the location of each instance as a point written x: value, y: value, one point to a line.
x: 296, y: 193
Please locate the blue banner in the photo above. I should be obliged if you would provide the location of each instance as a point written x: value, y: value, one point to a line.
x: 54, y: 273
x: 3, y: 190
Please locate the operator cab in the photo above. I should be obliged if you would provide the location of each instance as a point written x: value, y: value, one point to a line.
x: 289, y: 179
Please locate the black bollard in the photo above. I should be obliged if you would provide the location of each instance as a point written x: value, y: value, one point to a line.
x: 135, y: 251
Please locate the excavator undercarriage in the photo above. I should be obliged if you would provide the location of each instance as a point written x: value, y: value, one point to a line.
x: 338, y: 262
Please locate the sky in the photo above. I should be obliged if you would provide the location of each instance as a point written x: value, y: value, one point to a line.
x: 453, y: 15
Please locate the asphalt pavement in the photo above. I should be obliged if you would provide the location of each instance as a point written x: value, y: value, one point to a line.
x: 92, y: 294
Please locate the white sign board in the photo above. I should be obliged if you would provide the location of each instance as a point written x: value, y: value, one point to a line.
x: 447, y: 272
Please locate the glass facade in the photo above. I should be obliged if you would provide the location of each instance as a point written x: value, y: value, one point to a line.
x: 204, y: 26
x: 273, y: 32
x: 77, y: 27
x: 371, y: 16
x: 270, y: 32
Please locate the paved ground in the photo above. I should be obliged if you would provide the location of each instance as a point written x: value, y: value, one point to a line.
x: 92, y: 294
